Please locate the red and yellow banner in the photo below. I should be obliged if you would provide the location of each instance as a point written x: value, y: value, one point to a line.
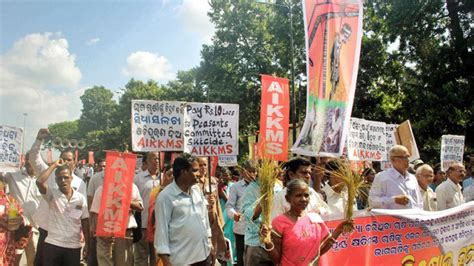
x: 407, y: 237
x: 274, y: 118
x: 333, y: 37
x: 116, y: 194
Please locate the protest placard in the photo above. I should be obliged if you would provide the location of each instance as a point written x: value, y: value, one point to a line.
x: 116, y: 194
x: 406, y: 138
x: 211, y: 129
x: 157, y: 125
x: 390, y: 131
x: 366, y: 140
x: 452, y: 150
x: 10, y: 151
x: 274, y: 118
x: 406, y: 237
x: 226, y: 161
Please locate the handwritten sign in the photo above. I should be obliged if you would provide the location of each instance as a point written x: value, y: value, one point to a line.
x: 157, y: 126
x: 390, y: 134
x: 367, y: 140
x: 226, y: 161
x: 452, y: 150
x: 10, y: 148
x: 211, y: 129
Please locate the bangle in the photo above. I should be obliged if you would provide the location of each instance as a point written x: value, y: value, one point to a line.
x: 269, y: 249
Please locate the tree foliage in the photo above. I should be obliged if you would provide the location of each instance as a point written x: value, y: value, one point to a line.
x: 416, y: 63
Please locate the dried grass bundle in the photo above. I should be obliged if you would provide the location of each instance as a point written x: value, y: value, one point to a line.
x: 354, y: 183
x: 267, y: 175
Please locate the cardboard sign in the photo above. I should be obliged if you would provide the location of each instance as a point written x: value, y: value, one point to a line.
x: 10, y: 148
x: 367, y: 140
x: 157, y: 125
x: 211, y: 129
x: 452, y: 150
x: 406, y: 138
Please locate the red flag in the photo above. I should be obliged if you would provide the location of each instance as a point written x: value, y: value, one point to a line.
x: 214, y: 161
x: 162, y: 160
x: 116, y: 194
x: 91, y: 157
x: 50, y: 156
x: 76, y: 154
x: 173, y: 155
x: 274, y: 118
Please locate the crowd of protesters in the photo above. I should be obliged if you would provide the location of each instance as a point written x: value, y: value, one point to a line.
x: 179, y: 215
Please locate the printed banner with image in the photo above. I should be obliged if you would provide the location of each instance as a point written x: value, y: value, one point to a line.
x: 211, y: 129
x: 10, y: 145
x: 274, y: 118
x: 366, y: 140
x: 333, y: 37
x: 157, y: 125
x: 452, y: 150
x: 406, y: 237
x: 116, y: 194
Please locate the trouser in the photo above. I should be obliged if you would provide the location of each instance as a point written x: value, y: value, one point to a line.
x: 92, y: 256
x: 144, y: 252
x: 120, y: 253
x: 39, y: 247
x: 257, y: 256
x: 206, y: 262
x: 30, y: 250
x: 240, y: 247
x: 59, y: 256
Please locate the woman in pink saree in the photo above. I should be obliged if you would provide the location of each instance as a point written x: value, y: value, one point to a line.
x: 297, y: 237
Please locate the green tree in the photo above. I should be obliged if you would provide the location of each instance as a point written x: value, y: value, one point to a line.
x: 98, y: 109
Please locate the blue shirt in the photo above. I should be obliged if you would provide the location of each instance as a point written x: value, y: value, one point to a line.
x: 252, y: 227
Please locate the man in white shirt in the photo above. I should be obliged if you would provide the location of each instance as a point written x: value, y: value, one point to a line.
x: 449, y: 192
x: 335, y: 190
x: 298, y: 168
x: 41, y: 216
x: 68, y: 215
x: 183, y: 233
x: 424, y: 176
x: 120, y: 253
x: 146, y: 181
x: 22, y: 186
x: 395, y: 188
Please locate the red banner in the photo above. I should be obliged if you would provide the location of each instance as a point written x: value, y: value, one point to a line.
x: 116, y: 194
x: 214, y: 162
x: 91, y: 157
x: 274, y: 117
x: 162, y: 159
x: 76, y: 154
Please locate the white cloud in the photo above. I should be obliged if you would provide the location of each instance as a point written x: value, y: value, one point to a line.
x: 146, y: 65
x: 193, y: 15
x: 93, y: 41
x: 38, y: 76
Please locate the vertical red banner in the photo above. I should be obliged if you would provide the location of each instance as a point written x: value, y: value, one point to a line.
x: 162, y: 160
x: 173, y: 155
x: 91, y: 158
x: 50, y: 156
x: 116, y: 194
x: 213, y: 161
x: 76, y: 154
x: 274, y: 118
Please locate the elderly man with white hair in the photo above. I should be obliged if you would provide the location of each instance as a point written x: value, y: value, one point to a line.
x: 425, y: 176
x: 395, y: 188
x: 449, y: 192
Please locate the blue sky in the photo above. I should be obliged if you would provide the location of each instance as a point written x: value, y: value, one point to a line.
x: 51, y: 51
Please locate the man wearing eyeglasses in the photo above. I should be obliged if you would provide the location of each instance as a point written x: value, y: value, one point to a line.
x: 449, y: 193
x: 395, y: 188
